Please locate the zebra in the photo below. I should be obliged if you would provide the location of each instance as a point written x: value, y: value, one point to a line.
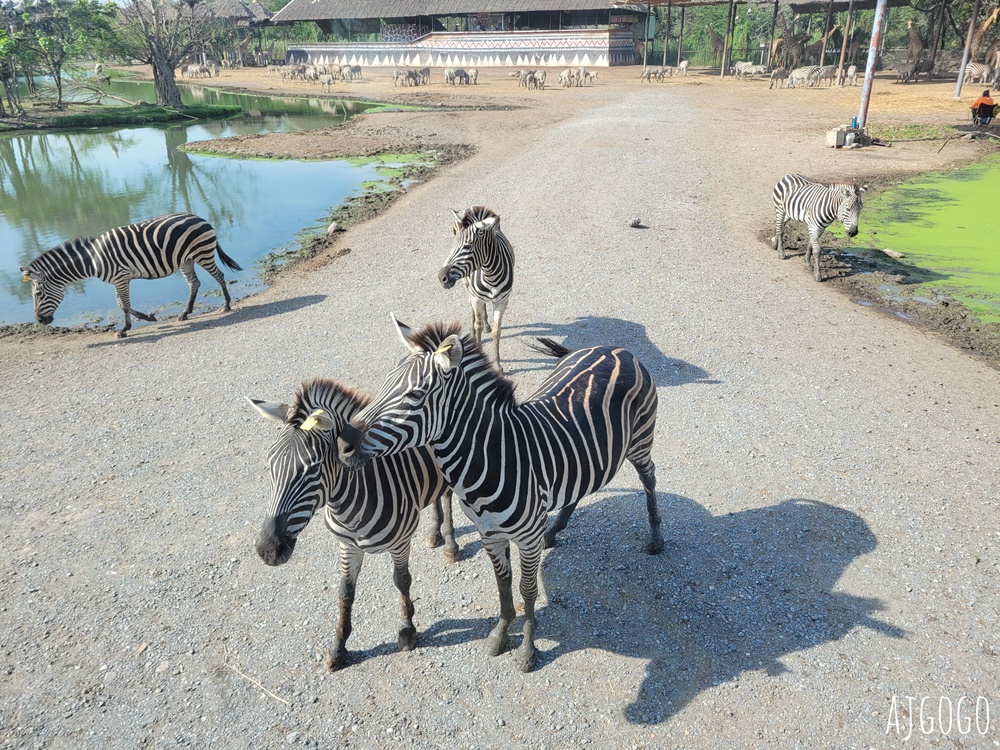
x: 778, y: 76
x: 372, y: 511
x: 682, y: 68
x: 566, y: 78
x: 827, y: 73
x: 483, y: 258
x: 904, y: 71
x: 852, y: 75
x: 803, y: 75
x: 150, y: 249
x: 473, y: 75
x: 980, y: 71
x: 818, y: 205
x: 511, y: 463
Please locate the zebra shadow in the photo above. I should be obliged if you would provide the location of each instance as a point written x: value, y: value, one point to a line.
x: 729, y: 594
x: 593, y: 330
x: 150, y: 334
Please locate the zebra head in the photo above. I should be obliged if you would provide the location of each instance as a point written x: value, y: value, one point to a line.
x: 850, y: 206
x: 302, y: 461
x: 47, y: 292
x: 411, y: 408
x: 475, y: 229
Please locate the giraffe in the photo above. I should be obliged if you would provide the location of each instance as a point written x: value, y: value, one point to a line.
x: 979, y: 38
x: 718, y: 44
x: 916, y: 45
x: 812, y: 50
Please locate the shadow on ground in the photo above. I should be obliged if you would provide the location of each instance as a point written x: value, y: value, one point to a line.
x: 729, y: 594
x: 243, y: 314
x: 599, y: 331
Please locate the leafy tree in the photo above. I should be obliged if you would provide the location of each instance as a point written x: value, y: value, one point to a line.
x: 58, y: 30
x: 162, y: 34
x: 8, y: 73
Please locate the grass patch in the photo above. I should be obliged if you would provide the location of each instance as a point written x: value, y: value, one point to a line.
x: 143, y: 114
x: 914, y: 131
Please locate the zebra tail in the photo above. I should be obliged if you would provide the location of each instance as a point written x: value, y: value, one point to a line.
x: 227, y: 261
x: 549, y: 347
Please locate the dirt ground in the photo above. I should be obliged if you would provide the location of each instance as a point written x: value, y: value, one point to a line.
x: 826, y: 472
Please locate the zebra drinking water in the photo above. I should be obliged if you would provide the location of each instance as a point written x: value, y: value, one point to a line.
x: 818, y: 205
x: 483, y: 258
x: 370, y: 511
x: 151, y: 249
x: 511, y: 463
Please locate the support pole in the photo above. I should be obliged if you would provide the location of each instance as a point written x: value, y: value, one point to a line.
x: 680, y: 38
x: 645, y: 35
x: 774, y: 25
x: 968, y: 49
x: 666, y: 35
x: 826, y: 33
x: 937, y: 34
x: 843, y: 47
x: 866, y: 90
x: 727, y: 41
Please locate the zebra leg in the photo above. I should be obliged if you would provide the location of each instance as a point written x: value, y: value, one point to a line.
x: 124, y: 303
x: 499, y: 553
x: 814, y: 233
x: 647, y: 475
x: 187, y: 269
x: 549, y: 539
x: 217, y: 274
x: 478, y: 319
x: 350, y: 566
x: 498, y: 312
x: 401, y: 577
x: 779, y: 227
x: 444, y: 527
x: 531, y: 553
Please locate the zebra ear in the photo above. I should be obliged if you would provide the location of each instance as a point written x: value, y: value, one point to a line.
x: 449, y: 354
x: 862, y: 189
x: 318, y: 421
x: 404, y: 332
x: 271, y: 409
x: 489, y: 222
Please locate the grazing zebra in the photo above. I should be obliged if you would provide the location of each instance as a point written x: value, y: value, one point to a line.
x: 566, y: 78
x: 483, y: 258
x: 682, y: 68
x: 511, y: 463
x: 904, y: 71
x: 818, y: 205
x: 980, y: 71
x: 150, y: 249
x: 801, y: 76
x: 778, y: 76
x: 473, y: 75
x: 371, y: 511
x: 827, y: 73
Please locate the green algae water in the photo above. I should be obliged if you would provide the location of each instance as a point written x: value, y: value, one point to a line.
x: 946, y: 225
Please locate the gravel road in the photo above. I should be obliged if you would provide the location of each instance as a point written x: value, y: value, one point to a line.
x: 828, y: 477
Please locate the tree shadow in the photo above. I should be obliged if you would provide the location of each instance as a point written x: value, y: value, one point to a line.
x: 729, y: 594
x: 215, y: 319
x: 592, y: 330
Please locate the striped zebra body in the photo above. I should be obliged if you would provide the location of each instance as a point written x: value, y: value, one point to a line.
x: 483, y: 258
x: 803, y: 76
x: 512, y: 463
x: 370, y: 511
x: 744, y: 70
x: 778, y: 78
x: 817, y: 205
x: 149, y: 249
x: 852, y: 75
x: 980, y: 71
x: 827, y: 73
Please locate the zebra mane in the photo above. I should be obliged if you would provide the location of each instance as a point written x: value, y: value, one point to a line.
x: 848, y: 187
x: 326, y: 394
x: 471, y: 215
x: 431, y: 336
x: 60, y: 252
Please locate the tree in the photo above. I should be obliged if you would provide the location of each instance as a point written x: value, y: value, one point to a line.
x: 162, y: 33
x: 8, y: 73
x: 60, y: 29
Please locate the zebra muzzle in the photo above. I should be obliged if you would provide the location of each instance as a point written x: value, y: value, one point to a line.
x: 445, y: 278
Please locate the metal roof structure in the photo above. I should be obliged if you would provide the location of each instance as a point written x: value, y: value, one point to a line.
x: 317, y: 10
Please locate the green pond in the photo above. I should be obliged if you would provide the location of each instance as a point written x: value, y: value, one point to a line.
x: 945, y: 225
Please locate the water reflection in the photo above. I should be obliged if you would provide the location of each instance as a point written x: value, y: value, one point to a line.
x: 55, y: 186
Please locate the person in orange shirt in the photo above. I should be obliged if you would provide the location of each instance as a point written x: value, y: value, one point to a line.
x: 984, y: 99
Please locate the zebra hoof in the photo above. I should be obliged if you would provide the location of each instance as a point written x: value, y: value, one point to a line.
x: 526, y: 656
x: 451, y: 553
x: 655, y: 545
x: 121, y: 334
x: 407, y: 640
x: 182, y: 316
x: 548, y: 541
x: 497, y: 642
x: 335, y: 660
x: 435, y: 540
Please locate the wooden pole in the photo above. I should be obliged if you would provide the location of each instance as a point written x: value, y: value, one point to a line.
x: 826, y: 32
x: 937, y: 33
x: 645, y: 35
x: 680, y: 37
x: 843, y: 46
x: 727, y: 42
x: 774, y: 25
x: 968, y: 49
x: 666, y: 35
